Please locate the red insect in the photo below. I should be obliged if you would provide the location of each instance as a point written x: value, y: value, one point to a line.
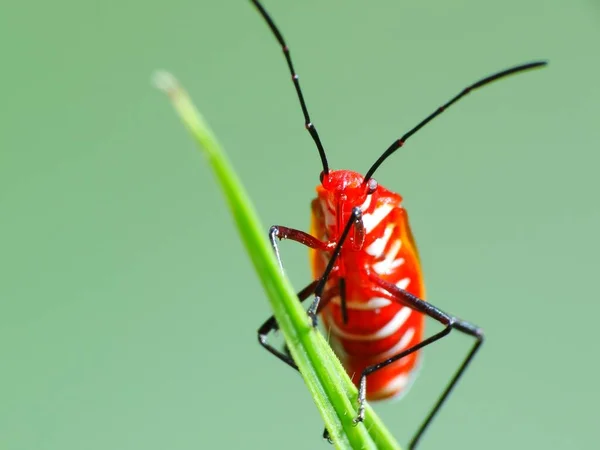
x: 368, y: 286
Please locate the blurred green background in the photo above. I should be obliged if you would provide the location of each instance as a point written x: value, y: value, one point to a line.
x: 128, y: 309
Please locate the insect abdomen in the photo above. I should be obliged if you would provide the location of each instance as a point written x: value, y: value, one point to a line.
x: 372, y: 336
x: 378, y: 327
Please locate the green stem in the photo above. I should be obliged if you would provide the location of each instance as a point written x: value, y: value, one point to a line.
x: 330, y: 387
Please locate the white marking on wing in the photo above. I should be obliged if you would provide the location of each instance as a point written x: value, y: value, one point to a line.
x: 396, y: 385
x: 386, y: 266
x: 370, y: 221
x: 378, y: 245
x: 392, y: 395
x: 366, y: 203
x: 397, y: 263
x: 401, y: 345
x: 387, y: 330
x: 330, y: 205
x: 373, y: 303
x: 403, y: 283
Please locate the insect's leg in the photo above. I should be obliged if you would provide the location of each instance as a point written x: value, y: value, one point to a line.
x: 279, y: 232
x: 450, y: 322
x: 271, y: 324
x: 357, y: 244
x: 471, y: 330
x: 354, y: 221
x: 343, y: 305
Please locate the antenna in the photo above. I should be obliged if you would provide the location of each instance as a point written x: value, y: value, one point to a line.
x: 286, y: 51
x: 400, y: 142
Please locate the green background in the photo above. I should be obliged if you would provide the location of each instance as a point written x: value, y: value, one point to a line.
x: 128, y: 309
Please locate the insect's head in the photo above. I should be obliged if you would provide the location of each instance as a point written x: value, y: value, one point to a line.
x: 342, y: 190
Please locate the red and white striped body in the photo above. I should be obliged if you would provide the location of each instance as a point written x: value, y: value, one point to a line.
x: 378, y: 326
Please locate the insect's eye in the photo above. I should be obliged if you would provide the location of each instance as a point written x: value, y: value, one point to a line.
x: 321, y: 176
x: 371, y: 186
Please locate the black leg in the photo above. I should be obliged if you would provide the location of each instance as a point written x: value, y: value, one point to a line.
x: 473, y: 331
x: 450, y: 323
x: 356, y: 222
x: 343, y: 300
x: 271, y: 325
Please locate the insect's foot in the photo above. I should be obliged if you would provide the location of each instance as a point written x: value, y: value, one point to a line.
x: 326, y: 436
x: 312, y: 310
x: 362, y: 398
x: 360, y: 416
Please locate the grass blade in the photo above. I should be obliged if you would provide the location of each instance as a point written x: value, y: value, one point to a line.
x: 330, y: 387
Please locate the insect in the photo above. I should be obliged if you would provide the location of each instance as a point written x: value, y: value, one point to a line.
x: 368, y: 287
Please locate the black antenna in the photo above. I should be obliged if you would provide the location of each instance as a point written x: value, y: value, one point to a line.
x: 400, y: 142
x: 286, y: 51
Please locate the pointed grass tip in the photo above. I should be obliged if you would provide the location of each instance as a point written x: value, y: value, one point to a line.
x: 166, y: 82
